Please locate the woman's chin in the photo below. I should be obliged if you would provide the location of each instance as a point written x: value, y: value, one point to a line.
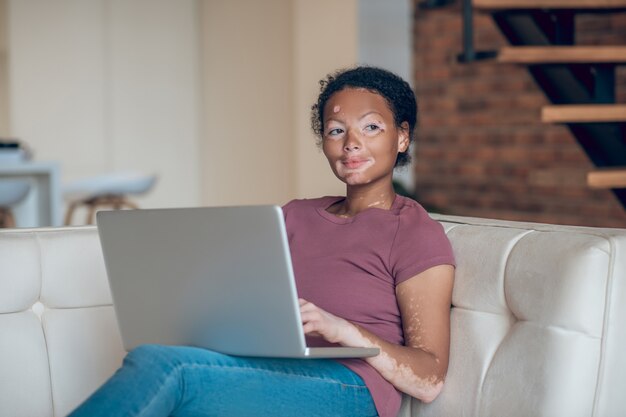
x: 356, y: 179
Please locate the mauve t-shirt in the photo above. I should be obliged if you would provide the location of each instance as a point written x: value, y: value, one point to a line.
x: 350, y: 267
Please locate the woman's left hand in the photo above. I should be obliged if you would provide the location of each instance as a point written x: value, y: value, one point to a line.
x: 320, y: 323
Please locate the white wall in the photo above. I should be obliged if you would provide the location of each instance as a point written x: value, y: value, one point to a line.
x: 262, y: 63
x: 107, y: 85
x: 154, y: 95
x: 247, y: 140
x: 385, y: 35
x: 4, y: 76
x: 326, y: 40
x: 57, y: 81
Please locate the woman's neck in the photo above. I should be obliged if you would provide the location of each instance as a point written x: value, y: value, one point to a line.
x: 359, y: 199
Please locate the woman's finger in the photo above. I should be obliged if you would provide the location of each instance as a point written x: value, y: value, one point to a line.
x: 307, y: 316
x: 309, y: 307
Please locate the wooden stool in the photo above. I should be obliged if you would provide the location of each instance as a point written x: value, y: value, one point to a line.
x: 11, y: 193
x: 105, y: 191
x: 7, y: 220
x: 115, y: 202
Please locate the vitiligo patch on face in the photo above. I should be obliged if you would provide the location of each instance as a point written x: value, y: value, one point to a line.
x: 336, y: 109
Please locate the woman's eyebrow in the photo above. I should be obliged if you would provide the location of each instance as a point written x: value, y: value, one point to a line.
x: 333, y: 119
x: 370, y: 113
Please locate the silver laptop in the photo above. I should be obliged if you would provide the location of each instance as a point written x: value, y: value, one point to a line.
x: 213, y: 277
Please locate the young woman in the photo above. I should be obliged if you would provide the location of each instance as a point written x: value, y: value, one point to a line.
x: 372, y: 270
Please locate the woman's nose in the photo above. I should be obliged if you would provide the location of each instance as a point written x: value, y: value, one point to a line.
x: 352, y: 143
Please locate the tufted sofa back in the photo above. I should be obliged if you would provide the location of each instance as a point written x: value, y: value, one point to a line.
x: 58, y: 333
x: 538, y: 323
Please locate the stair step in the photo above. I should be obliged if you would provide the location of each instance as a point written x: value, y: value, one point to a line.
x: 549, y: 4
x: 584, y: 113
x: 607, y: 178
x: 562, y: 55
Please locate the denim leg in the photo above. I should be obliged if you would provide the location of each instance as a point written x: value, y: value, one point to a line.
x: 192, y: 382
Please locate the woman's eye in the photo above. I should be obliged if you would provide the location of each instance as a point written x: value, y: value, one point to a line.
x: 371, y: 127
x: 334, y: 132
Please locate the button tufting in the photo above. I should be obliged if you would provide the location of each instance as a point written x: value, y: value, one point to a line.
x: 38, y: 308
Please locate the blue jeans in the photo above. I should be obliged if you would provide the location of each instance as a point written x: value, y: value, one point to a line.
x: 185, y: 381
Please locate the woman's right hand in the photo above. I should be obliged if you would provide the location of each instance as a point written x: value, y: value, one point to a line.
x: 320, y: 323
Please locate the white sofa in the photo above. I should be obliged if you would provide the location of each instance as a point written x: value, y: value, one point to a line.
x: 538, y: 324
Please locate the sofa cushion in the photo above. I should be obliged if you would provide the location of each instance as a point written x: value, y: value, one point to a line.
x: 25, y: 385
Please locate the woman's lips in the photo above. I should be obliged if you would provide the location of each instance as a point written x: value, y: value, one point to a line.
x: 354, y: 163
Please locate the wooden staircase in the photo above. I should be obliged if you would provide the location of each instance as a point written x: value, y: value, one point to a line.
x: 574, y: 5
x: 578, y: 79
x: 545, y: 55
x: 606, y: 178
x: 584, y: 113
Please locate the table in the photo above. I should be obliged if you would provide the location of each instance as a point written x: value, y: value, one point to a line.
x: 42, y: 205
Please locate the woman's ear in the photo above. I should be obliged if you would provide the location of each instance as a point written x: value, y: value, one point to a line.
x: 403, y: 137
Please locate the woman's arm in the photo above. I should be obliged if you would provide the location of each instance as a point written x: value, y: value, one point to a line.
x: 418, y: 368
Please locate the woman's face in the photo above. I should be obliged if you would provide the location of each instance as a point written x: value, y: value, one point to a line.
x: 360, y: 138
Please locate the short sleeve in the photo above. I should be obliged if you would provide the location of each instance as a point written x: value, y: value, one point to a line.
x: 287, y: 207
x: 420, y: 243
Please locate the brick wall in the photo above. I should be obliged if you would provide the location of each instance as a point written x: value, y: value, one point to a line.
x: 481, y: 149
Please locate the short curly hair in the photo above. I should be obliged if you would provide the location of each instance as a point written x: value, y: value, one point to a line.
x: 396, y: 92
